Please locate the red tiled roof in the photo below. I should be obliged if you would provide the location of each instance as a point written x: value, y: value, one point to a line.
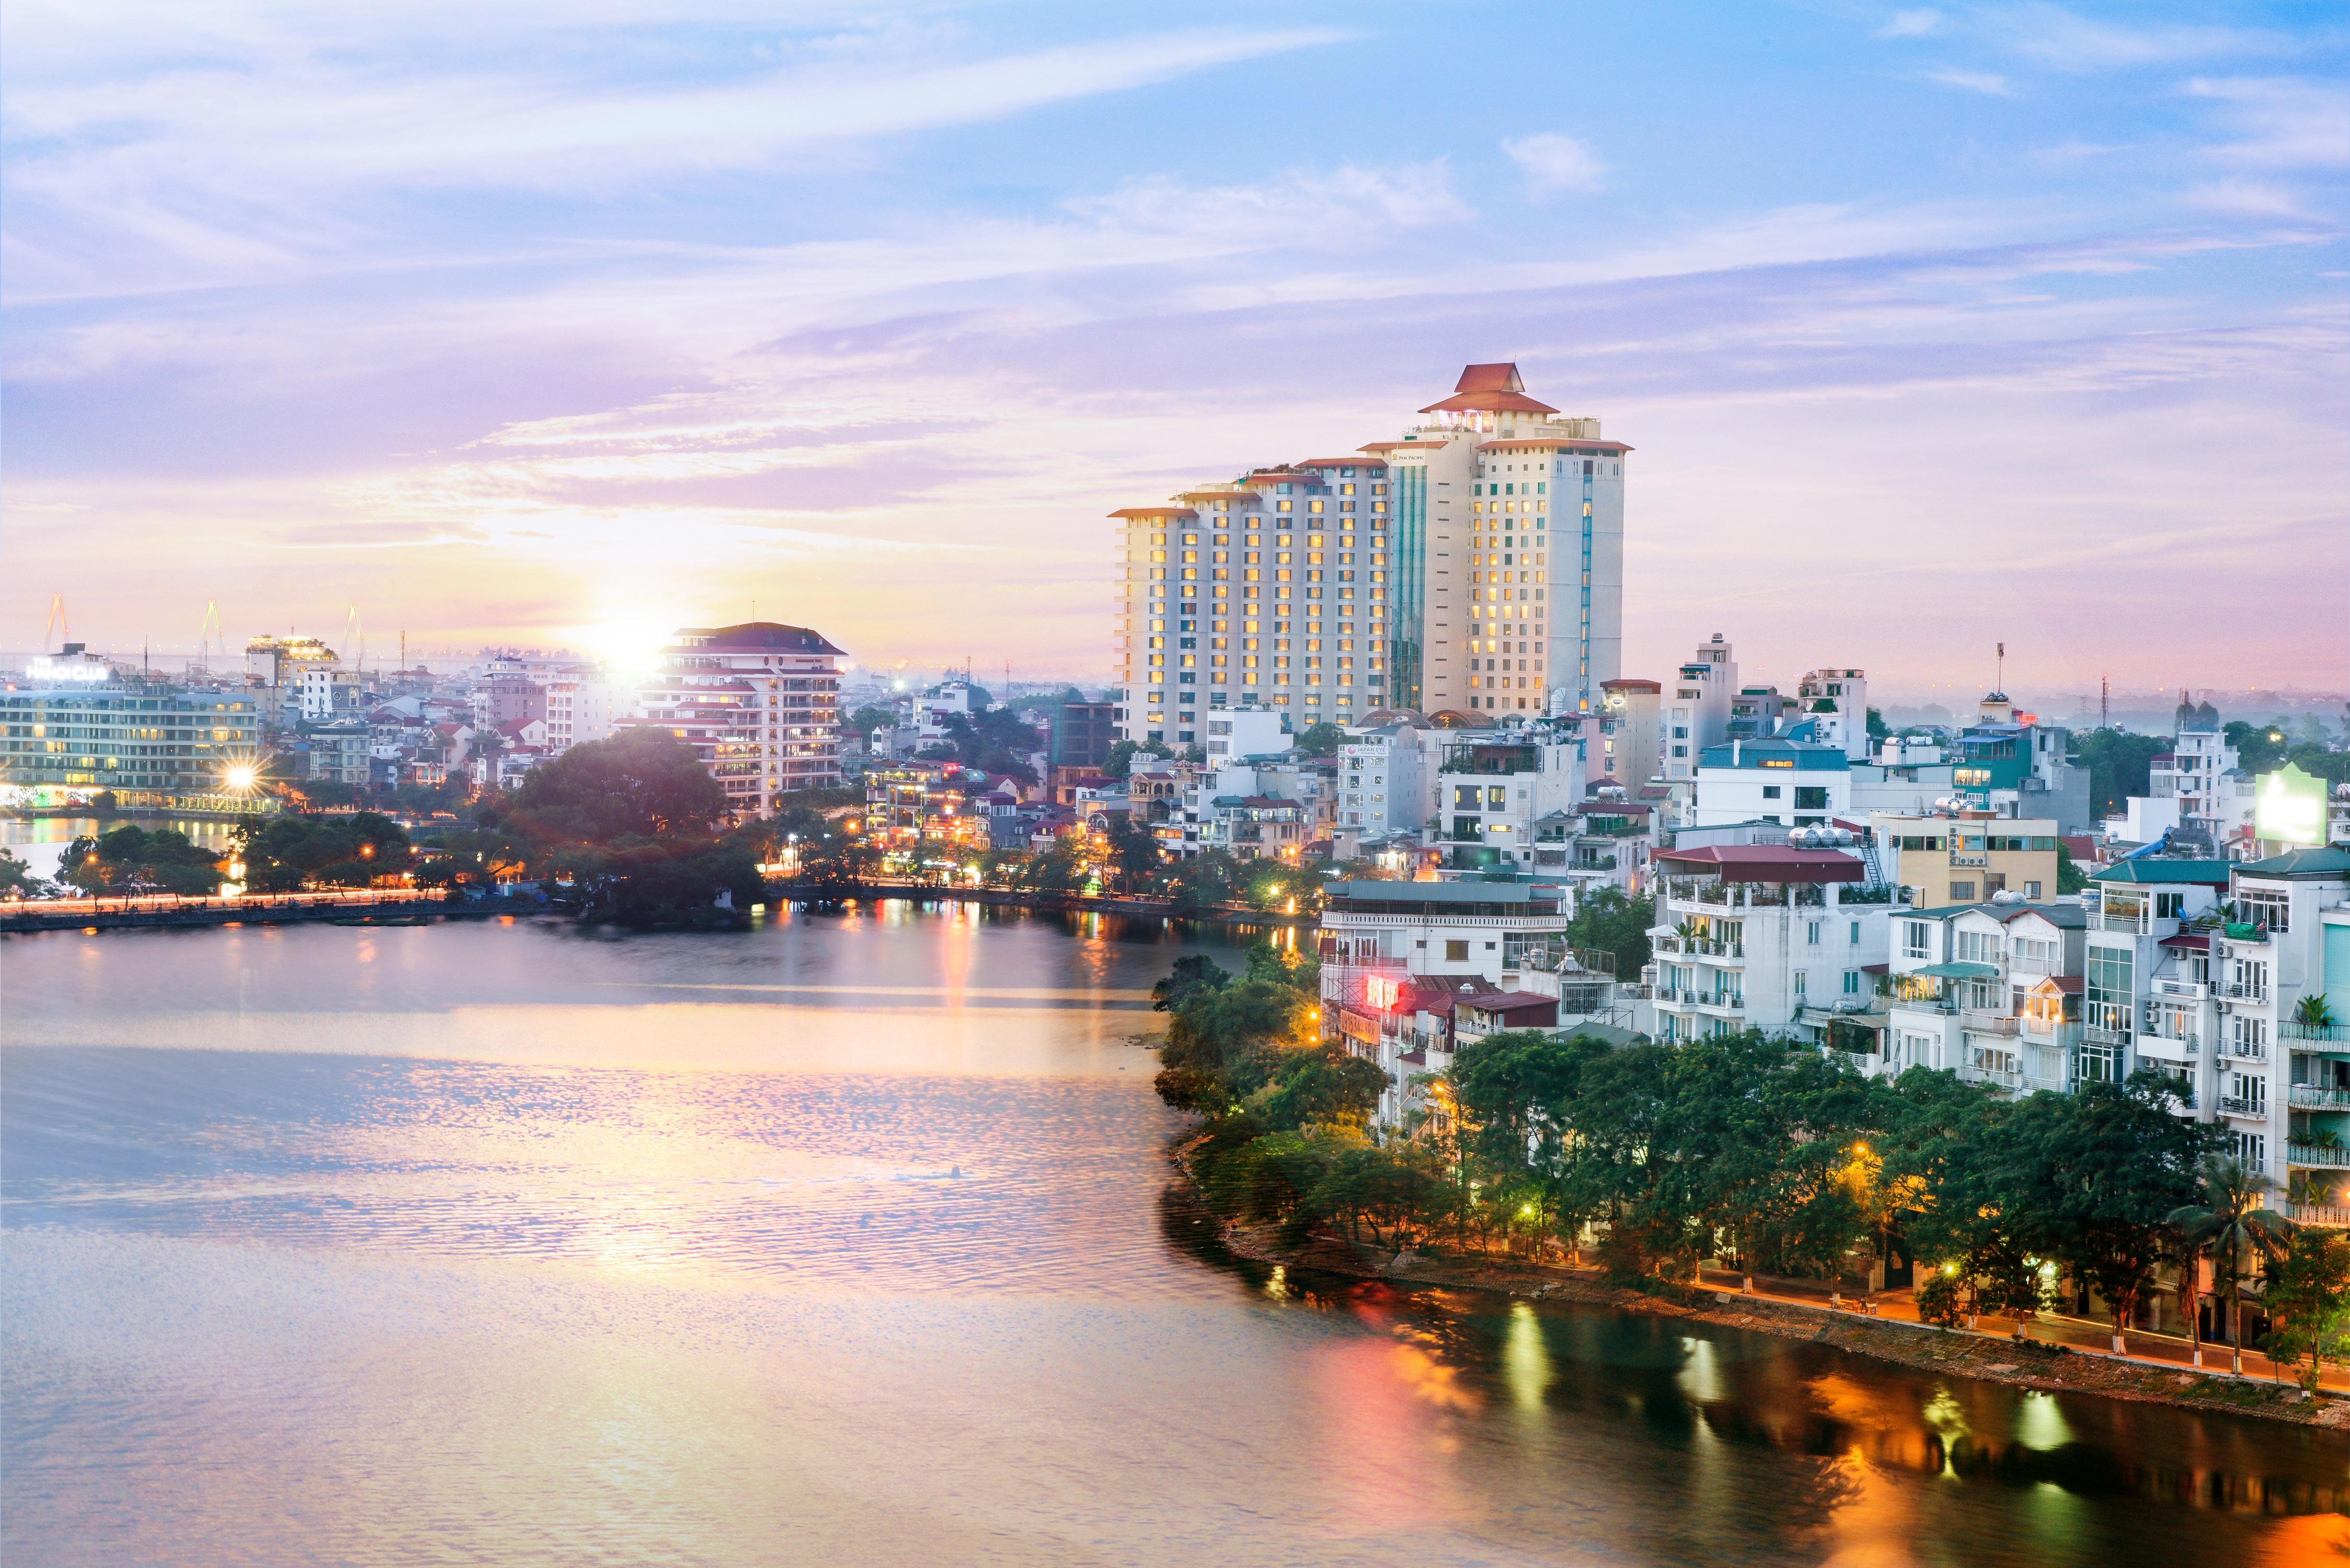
x: 1154, y: 512
x: 1489, y: 403
x: 1767, y: 863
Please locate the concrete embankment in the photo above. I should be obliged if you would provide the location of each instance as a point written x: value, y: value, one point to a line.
x: 33, y: 917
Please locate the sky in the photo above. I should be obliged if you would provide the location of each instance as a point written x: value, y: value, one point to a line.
x: 1931, y: 327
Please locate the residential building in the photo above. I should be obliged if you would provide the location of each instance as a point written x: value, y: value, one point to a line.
x: 1083, y: 733
x: 342, y: 751
x: 2200, y: 773
x: 1333, y: 586
x: 328, y: 693
x: 1798, y: 783
x: 1991, y: 992
x: 1958, y: 857
x: 1242, y: 732
x: 1697, y: 714
x: 1836, y: 702
x: 1749, y: 936
x: 1628, y: 732
x: 1493, y: 785
x: 583, y: 703
x: 276, y: 666
x: 151, y: 745
x: 2149, y: 998
x: 1386, y: 775
x: 2285, y: 1075
x: 758, y: 704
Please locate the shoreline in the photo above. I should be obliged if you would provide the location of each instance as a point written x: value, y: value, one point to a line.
x: 2030, y: 1364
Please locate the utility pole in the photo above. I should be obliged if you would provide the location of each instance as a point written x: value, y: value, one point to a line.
x: 2000, y: 676
x: 2104, y: 701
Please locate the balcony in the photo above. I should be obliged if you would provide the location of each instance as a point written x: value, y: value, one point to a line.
x: 2315, y: 1034
x: 2325, y: 1214
x: 2121, y: 925
x: 2245, y: 1051
x: 2230, y: 1104
x: 2256, y: 995
x: 2095, y: 1035
x: 2323, y: 1155
x: 1979, y: 1022
x: 2317, y: 1098
x: 2184, y: 1043
x: 2182, y: 989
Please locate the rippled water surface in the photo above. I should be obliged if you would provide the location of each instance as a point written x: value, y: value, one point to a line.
x: 851, y: 1239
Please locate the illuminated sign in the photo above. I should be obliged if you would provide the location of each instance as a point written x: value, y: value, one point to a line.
x: 2290, y: 807
x: 1382, y: 993
x: 85, y: 672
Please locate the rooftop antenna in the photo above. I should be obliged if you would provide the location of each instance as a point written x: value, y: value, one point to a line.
x: 2000, y: 671
x: 2104, y: 701
x: 56, y: 622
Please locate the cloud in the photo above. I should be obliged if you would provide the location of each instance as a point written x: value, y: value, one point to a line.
x: 2247, y: 198
x: 1555, y: 162
x: 1409, y: 196
x: 1919, y: 24
x: 2284, y: 122
x: 2066, y: 41
x: 1973, y: 81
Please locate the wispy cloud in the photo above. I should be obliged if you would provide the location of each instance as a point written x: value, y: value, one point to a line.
x: 2066, y: 41
x: 2281, y: 123
x: 1984, y: 82
x: 1921, y: 22
x: 1553, y: 163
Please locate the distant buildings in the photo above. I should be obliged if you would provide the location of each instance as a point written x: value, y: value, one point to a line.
x: 1475, y: 565
x: 758, y: 702
x: 77, y: 727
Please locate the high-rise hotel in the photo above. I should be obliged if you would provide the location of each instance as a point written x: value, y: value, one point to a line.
x: 1475, y: 565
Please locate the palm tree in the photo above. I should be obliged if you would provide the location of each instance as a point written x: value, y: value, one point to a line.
x: 2313, y: 1011
x: 2234, y: 1225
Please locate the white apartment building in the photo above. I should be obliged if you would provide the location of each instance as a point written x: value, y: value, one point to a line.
x: 1629, y: 732
x: 1991, y: 992
x: 759, y: 704
x: 1493, y: 787
x: 2212, y: 794
x: 1333, y: 586
x: 328, y: 692
x: 583, y: 704
x: 1792, y: 783
x: 1751, y: 936
x: 1836, y: 704
x: 1697, y: 711
x: 1387, y: 777
x: 1244, y: 732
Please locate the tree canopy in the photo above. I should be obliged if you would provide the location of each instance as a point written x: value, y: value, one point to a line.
x: 644, y: 783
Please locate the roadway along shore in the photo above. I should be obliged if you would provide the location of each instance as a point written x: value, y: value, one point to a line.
x: 1992, y: 1358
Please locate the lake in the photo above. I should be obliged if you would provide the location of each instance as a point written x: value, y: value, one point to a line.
x: 851, y: 1239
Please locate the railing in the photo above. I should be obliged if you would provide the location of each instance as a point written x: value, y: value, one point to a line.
x: 1728, y: 1004
x: 1436, y: 919
x: 2005, y: 1077
x: 2318, y: 1214
x: 2132, y: 927
x: 2317, y: 1098
x: 2095, y: 1035
x: 2046, y: 1028
x: 2255, y: 993
x: 2329, y: 1034
x: 2244, y: 1050
x: 2185, y: 1044
x: 1698, y: 947
x: 2316, y: 1154
x: 2184, y: 989
x: 2237, y: 1105
x: 1986, y: 1022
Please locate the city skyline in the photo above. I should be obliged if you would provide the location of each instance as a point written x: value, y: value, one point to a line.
x: 578, y: 331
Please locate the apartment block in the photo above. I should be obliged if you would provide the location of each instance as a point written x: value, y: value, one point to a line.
x: 1697, y: 707
x: 1993, y: 992
x: 1493, y: 787
x: 1408, y: 576
x: 151, y: 745
x: 758, y: 702
x: 1751, y: 936
x: 1959, y: 858
x: 1628, y: 734
x: 1387, y: 777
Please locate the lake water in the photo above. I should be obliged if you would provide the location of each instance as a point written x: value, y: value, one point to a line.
x: 40, y: 841
x: 851, y: 1239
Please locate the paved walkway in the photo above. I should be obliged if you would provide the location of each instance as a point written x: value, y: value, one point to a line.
x: 2078, y: 1334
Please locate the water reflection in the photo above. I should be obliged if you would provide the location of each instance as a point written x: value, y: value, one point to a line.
x: 849, y: 1239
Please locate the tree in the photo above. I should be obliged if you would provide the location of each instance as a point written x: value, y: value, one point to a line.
x: 16, y: 878
x: 1191, y: 975
x: 1133, y: 852
x: 2069, y: 878
x: 2091, y: 1178
x: 1608, y: 920
x: 130, y: 860
x: 869, y: 718
x: 2120, y: 764
x: 2235, y: 1229
x: 2309, y: 1292
x: 644, y: 783
x: 1119, y: 763
x: 2258, y: 747
x: 1320, y: 739
x: 284, y: 854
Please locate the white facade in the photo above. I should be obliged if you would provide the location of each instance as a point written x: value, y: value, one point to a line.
x: 1791, y: 782
x: 582, y: 705
x: 1746, y: 940
x: 1387, y: 779
x: 1240, y: 733
x: 1493, y: 785
x: 1333, y: 588
x: 1836, y: 702
x: 1696, y: 707
x: 1991, y: 992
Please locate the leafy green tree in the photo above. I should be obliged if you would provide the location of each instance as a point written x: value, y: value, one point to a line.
x: 2232, y: 1225
x: 644, y: 783
x: 284, y: 854
x: 2069, y: 876
x: 1134, y: 853
x: 130, y: 860
x: 1192, y: 974
x: 1207, y: 882
x: 2091, y: 1178
x: 1877, y: 730
x: 2308, y: 1294
x: 1320, y: 1087
x: 1320, y: 739
x: 2258, y: 747
x: 1606, y: 919
x: 16, y: 878
x: 869, y: 718
x: 2120, y: 763
x: 1120, y: 760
